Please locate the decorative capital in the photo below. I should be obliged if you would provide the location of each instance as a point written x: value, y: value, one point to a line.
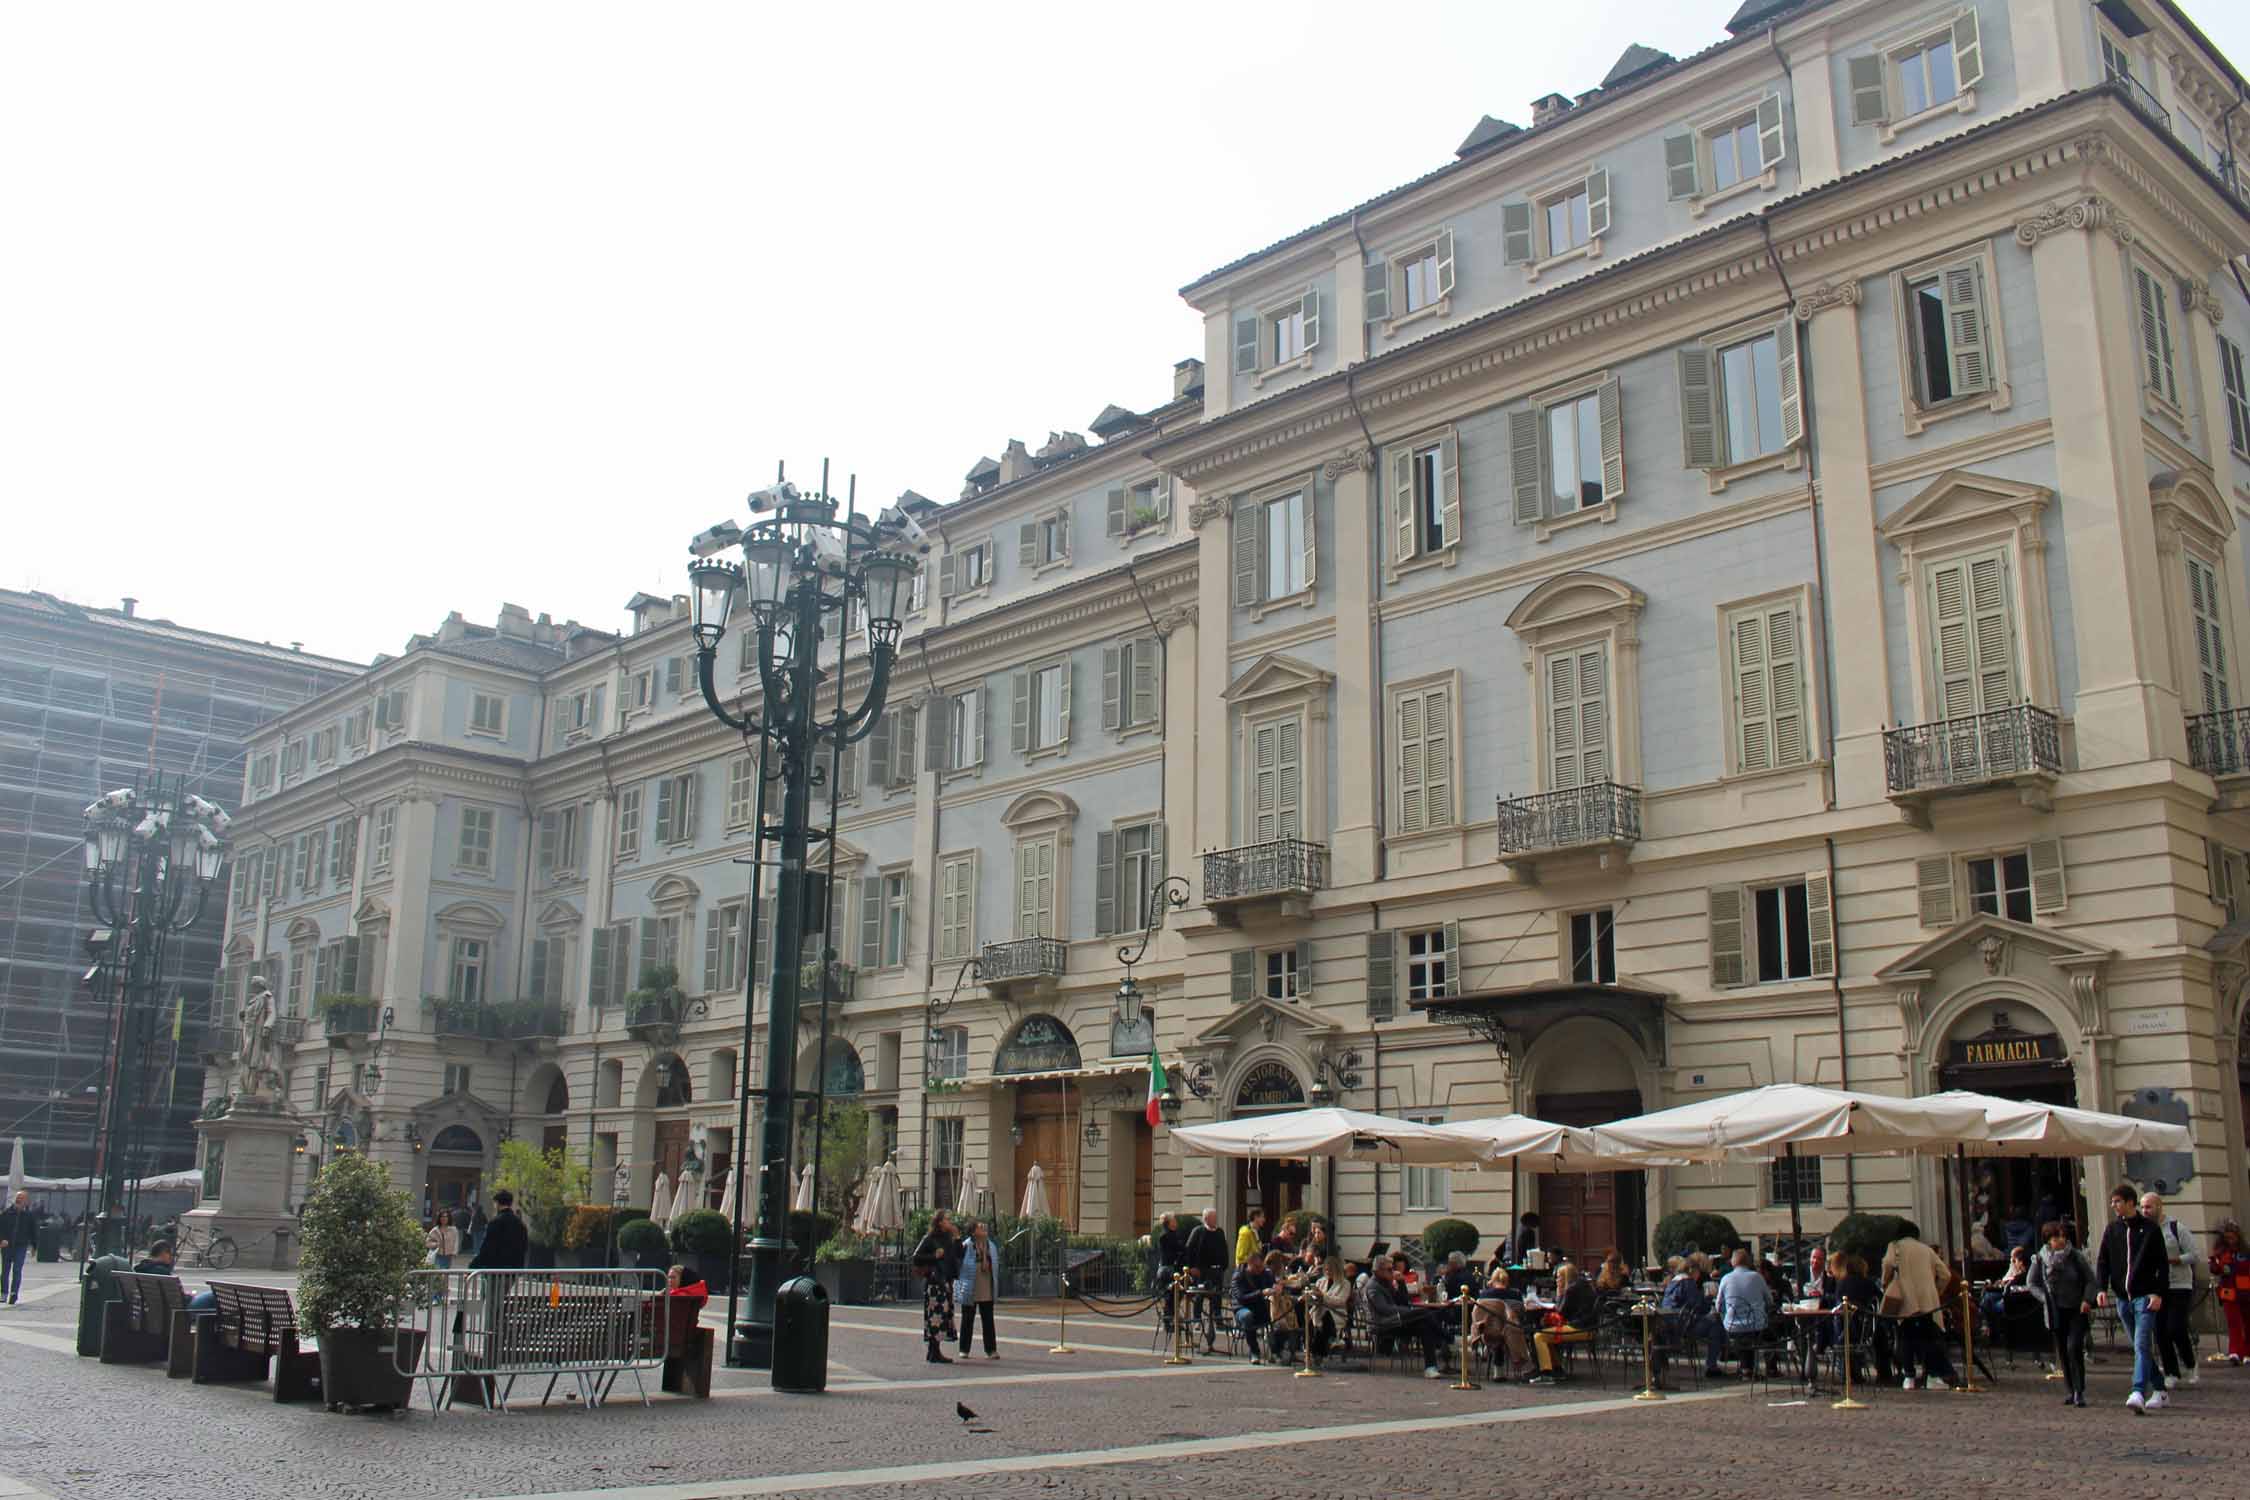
x: 1825, y: 296
x: 2086, y: 215
x: 1207, y: 508
x: 1172, y: 619
x: 1343, y: 463
x: 2199, y: 297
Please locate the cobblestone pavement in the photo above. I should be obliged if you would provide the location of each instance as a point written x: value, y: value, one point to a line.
x: 1106, y: 1421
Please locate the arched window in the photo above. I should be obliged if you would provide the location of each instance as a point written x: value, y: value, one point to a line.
x: 1041, y: 1044
x: 846, y: 1078
x: 558, y: 1096
x: 458, y: 1138
x: 672, y: 1085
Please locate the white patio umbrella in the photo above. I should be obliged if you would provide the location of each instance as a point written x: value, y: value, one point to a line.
x: 726, y: 1194
x: 965, y: 1206
x: 802, y: 1200
x: 1534, y: 1145
x: 1035, y: 1194
x: 879, y: 1212
x: 660, y: 1201
x: 16, y: 1172
x: 1332, y: 1132
x: 2020, y: 1127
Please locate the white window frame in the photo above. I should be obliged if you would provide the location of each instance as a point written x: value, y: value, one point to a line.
x: 1692, y: 153
x: 1279, y: 977
x: 979, y: 555
x: 1050, y: 540
x: 729, y: 919
x: 1138, y: 872
x: 1121, y: 674
x: 472, y: 856
x: 1753, y: 930
x: 1424, y: 798
x: 1532, y: 245
x: 1796, y: 602
x: 1997, y: 395
x: 1889, y: 57
x: 1425, y: 487
x: 1389, y: 280
x: 2002, y: 890
x: 966, y: 709
x: 456, y: 1078
x: 1531, y: 455
x: 1263, y: 600
x: 468, y: 966
x: 742, y: 791
x: 957, y: 906
x: 1425, y: 1190
x: 686, y: 809
x: 1599, y: 925
x: 1424, y: 975
x: 627, y: 840
x: 324, y: 745
x: 498, y: 729
x: 1788, y: 373
x: 390, y: 713
x: 1302, y: 309
x: 949, y: 1052
x: 640, y: 691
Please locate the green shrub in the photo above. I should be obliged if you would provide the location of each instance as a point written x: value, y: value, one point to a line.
x: 643, y: 1238
x: 846, y: 1246
x: 1444, y: 1236
x: 702, y: 1231
x: 1678, y: 1232
x: 812, y: 1228
x: 1865, y: 1235
x: 549, y: 1186
x: 362, y: 1244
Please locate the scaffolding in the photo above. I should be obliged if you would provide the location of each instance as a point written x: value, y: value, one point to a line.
x: 91, y: 700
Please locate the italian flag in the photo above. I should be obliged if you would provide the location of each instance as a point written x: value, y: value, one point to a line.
x: 1156, y: 1087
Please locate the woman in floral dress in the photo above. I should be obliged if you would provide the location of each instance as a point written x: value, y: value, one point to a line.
x: 938, y: 1259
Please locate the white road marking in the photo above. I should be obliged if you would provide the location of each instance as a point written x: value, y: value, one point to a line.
x: 16, y: 1489
x: 1003, y: 1338
x: 953, y: 1382
x: 833, y: 1479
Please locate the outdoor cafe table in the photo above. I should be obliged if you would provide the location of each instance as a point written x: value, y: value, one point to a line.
x: 1804, y: 1326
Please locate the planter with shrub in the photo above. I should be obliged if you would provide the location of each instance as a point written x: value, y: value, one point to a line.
x: 1687, y: 1230
x: 643, y: 1243
x: 1444, y: 1236
x: 844, y: 1265
x: 361, y: 1245
x: 704, y: 1242
x: 1866, y: 1236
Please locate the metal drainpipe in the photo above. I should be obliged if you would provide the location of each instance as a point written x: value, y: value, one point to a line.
x: 1828, y: 688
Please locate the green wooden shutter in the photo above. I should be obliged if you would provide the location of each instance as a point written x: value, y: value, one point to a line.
x: 981, y: 710
x: 1452, y: 960
x: 1820, y: 923
x: 1113, y: 685
x: 946, y: 575
x: 1725, y: 903
x: 1610, y: 400
x: 1146, y: 680
x: 548, y: 833
x: 1105, y: 883
x: 1682, y: 171
x: 902, y: 754
x: 712, y: 978
x: 1967, y: 347
x: 1019, y: 719
x: 1413, y: 794
x: 879, y: 742
x: 1773, y: 145
x: 1404, y: 532
x: 1753, y: 692
x: 1246, y: 344
x: 1027, y: 544
x: 1968, y: 49
x: 1525, y: 480
x: 871, y: 922
x: 2206, y: 607
x: 1449, y: 489
x: 1933, y: 890
x: 1377, y: 276
x: 2049, y: 893
x: 1116, y: 510
x: 1382, y: 976
x: 1699, y: 414
x: 601, y: 993
x: 1870, y: 96
x: 1597, y: 203
x: 667, y: 813
x: 1242, y: 975
x: 1792, y: 387
x: 1304, y: 968
x: 324, y: 970
x: 1515, y: 233
x: 1310, y: 306
x: 1249, y: 553
x: 1445, y: 263
x: 1062, y: 696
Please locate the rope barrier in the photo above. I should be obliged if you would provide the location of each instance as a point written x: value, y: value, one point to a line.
x: 1089, y: 1301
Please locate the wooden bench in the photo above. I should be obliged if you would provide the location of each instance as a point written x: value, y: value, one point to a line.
x: 687, y: 1346
x: 137, y: 1327
x: 253, y: 1328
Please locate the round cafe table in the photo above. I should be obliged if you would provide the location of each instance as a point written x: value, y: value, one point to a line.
x: 1804, y: 1324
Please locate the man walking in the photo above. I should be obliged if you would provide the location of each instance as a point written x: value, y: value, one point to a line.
x: 19, y: 1227
x: 2174, y: 1340
x: 506, y: 1242
x: 2131, y: 1269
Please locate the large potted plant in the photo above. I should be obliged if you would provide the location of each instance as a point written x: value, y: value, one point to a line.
x: 704, y: 1241
x: 844, y: 1265
x: 643, y: 1243
x: 361, y: 1245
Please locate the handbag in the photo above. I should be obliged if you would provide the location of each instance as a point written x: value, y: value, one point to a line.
x: 1893, y: 1304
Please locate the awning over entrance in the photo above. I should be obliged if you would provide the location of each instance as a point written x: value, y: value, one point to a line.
x: 1098, y: 1070
x: 1511, y: 1018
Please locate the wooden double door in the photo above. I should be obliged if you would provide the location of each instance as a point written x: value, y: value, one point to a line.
x: 1048, y: 1116
x: 1587, y: 1214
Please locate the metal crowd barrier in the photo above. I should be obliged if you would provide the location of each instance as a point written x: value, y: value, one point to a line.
x: 481, y: 1331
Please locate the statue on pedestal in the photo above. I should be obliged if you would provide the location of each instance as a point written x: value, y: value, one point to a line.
x: 261, y: 1077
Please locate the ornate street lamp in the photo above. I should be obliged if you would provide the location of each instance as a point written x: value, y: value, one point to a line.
x: 1170, y: 894
x: 805, y: 569
x: 152, y: 856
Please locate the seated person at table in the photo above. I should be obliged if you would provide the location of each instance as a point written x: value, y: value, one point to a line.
x: 1572, y: 1321
x: 1820, y: 1285
x: 1318, y: 1248
x: 1684, y: 1306
x: 1252, y: 1313
x: 158, y: 1261
x: 1995, y: 1300
x: 1389, y: 1313
x: 1776, y: 1283
x: 1457, y: 1277
x: 1332, y: 1290
x: 679, y: 1281
x: 1498, y: 1318
x: 1745, y: 1307
x: 1284, y: 1247
x: 1614, y: 1277
x: 1857, y: 1290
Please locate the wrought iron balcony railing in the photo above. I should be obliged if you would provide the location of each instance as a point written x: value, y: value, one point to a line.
x: 1278, y: 867
x: 1974, y: 750
x: 1024, y: 958
x: 2220, y: 743
x: 1579, y: 817
x: 354, y: 1018
x: 498, y: 1020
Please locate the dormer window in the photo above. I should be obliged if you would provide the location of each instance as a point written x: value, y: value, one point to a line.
x: 1411, y: 281
x: 1282, y: 335
x: 1932, y: 69
x: 488, y: 715
x: 1563, y: 221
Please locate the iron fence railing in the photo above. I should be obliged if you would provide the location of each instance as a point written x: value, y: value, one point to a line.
x: 2020, y: 740
x: 1023, y: 958
x: 1278, y: 867
x: 1600, y: 812
x: 349, y: 1020
x: 2220, y: 742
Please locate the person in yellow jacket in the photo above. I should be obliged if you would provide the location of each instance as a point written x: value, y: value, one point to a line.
x: 1251, y: 1237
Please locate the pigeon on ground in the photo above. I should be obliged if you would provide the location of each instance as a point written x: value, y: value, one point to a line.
x: 963, y: 1412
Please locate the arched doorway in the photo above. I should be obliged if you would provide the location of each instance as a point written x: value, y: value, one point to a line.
x: 2007, y: 1048
x: 1580, y: 1073
x: 456, y: 1169
x: 547, y: 1093
x: 1268, y: 1086
x: 1047, y: 1111
x: 665, y: 1084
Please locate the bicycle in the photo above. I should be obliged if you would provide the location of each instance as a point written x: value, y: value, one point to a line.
x: 211, y: 1249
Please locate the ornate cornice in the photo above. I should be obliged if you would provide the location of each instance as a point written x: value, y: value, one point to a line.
x: 2085, y: 214
x: 1825, y: 296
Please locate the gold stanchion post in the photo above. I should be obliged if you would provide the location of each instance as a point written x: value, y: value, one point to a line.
x: 1847, y: 1404
x: 1967, y: 1384
x: 1465, y: 1383
x: 1178, y: 1356
x: 1062, y: 1333
x: 1646, y: 1312
x: 1305, y: 1305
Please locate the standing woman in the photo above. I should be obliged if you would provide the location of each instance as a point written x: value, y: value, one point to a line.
x: 976, y: 1285
x: 2063, y: 1281
x: 2230, y: 1278
x: 938, y: 1258
x: 443, y: 1240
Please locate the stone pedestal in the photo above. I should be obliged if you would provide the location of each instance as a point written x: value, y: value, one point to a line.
x: 257, y: 1164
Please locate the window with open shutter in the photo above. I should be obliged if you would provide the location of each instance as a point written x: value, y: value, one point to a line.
x: 1933, y: 890
x: 1968, y: 50
x: 1310, y: 303
x: 2049, y: 891
x: 1610, y: 400
x: 1246, y: 344
x: 1382, y: 976
x: 1249, y: 552
x: 1699, y: 416
x: 871, y: 923
x: 1578, y: 716
x: 1870, y: 93
x: 2207, y: 609
x: 1773, y: 145
x: 1526, y: 483
x: 2156, y: 337
x: 1105, y: 882
x: 1972, y: 635
x: 1820, y: 925
x: 1967, y: 340
x: 1597, y: 203
x: 1725, y: 903
x: 1515, y: 233
x: 909, y: 718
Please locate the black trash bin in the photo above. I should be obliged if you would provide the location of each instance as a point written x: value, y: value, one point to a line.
x: 800, y: 1336
x: 97, y: 1287
x: 49, y: 1242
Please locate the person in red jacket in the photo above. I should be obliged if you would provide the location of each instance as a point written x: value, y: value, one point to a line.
x: 2230, y: 1278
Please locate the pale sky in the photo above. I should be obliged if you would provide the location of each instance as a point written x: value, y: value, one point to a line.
x: 318, y: 321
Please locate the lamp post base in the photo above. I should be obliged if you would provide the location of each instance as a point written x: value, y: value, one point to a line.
x: 751, y: 1348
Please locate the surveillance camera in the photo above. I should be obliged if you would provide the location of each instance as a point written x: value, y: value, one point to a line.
x: 903, y: 526
x: 152, y: 825
x: 110, y: 801
x: 828, y: 545
x: 209, y: 811
x: 773, y: 496
x: 712, y: 540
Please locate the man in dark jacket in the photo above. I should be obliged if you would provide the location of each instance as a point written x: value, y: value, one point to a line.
x: 2132, y: 1270
x: 19, y: 1227
x: 506, y: 1242
x: 1208, y: 1256
x: 159, y: 1261
x: 1171, y: 1259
